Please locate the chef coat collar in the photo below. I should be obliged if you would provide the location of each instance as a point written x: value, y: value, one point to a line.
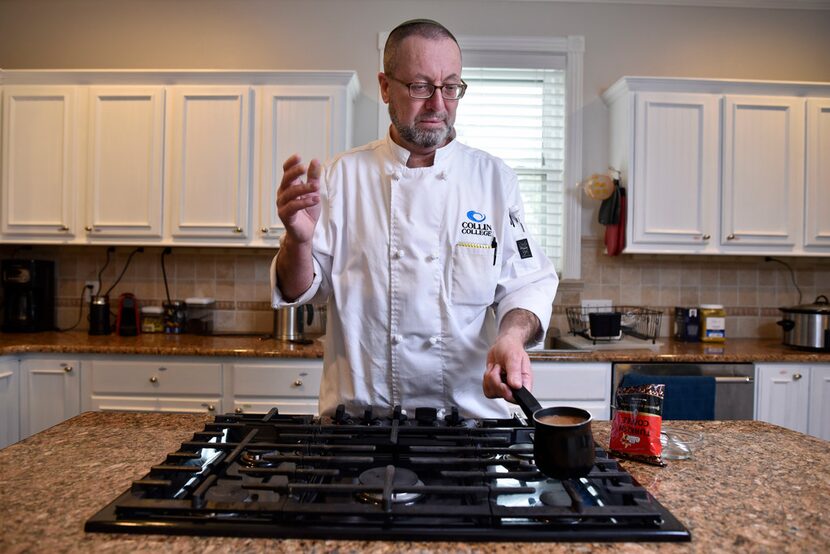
x: 401, y: 154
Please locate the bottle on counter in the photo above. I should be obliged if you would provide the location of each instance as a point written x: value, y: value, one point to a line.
x: 152, y: 319
x: 712, y: 323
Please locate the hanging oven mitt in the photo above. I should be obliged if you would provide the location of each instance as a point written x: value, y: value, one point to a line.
x: 615, y: 233
x: 609, y: 210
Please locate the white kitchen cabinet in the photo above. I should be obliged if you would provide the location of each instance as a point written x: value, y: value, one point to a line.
x: 125, y: 166
x: 208, y: 162
x: 676, y: 168
x: 718, y: 166
x: 292, y: 385
x: 584, y: 385
x: 50, y: 392
x: 763, y: 173
x: 818, y: 423
x: 9, y: 401
x: 817, y: 213
x: 312, y: 121
x: 137, y: 383
x: 39, y: 162
x: 783, y: 394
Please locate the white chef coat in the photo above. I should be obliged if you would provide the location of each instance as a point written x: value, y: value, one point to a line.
x: 417, y: 267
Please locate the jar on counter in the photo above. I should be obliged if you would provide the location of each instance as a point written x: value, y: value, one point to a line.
x: 712, y: 323
x: 175, y: 317
x: 152, y: 319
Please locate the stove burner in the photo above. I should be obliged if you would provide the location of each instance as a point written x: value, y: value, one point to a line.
x: 521, y: 452
x: 376, y: 477
x: 252, y: 458
x: 226, y: 491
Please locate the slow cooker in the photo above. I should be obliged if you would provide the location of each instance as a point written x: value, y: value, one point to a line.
x: 807, y: 325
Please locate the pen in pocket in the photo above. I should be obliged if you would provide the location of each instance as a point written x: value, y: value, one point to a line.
x: 495, y: 246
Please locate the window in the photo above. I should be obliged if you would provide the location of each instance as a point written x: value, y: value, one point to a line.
x: 519, y: 116
x: 546, y: 149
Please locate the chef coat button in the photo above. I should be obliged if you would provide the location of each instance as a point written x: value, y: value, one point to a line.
x: 434, y: 340
x: 398, y: 254
x: 396, y: 339
x: 432, y: 257
x: 442, y: 175
x: 396, y: 176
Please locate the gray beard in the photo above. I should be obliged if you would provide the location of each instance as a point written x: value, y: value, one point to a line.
x: 419, y: 137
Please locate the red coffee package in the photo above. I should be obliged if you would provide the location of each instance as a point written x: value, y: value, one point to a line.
x: 635, y: 431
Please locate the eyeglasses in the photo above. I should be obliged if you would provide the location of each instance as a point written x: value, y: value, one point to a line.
x: 422, y: 91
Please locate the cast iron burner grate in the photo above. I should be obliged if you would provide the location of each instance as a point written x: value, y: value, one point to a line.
x: 370, y: 477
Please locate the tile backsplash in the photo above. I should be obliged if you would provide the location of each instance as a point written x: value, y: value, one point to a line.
x: 750, y: 288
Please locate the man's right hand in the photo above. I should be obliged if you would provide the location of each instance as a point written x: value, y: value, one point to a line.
x: 298, y: 205
x: 298, y: 202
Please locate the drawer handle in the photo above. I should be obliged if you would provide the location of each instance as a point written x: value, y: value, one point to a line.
x: 796, y: 376
x: 237, y: 230
x: 63, y: 228
x: 730, y: 236
x: 707, y: 236
x: 67, y: 368
x: 154, y: 379
x: 298, y: 383
x: 238, y: 411
x: 211, y: 408
x: 264, y: 230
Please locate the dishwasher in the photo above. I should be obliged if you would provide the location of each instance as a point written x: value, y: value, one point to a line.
x: 734, y: 383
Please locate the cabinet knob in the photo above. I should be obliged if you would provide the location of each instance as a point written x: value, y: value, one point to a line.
x: 67, y: 368
x: 154, y: 379
x: 211, y: 408
x: 298, y: 383
x: 796, y: 376
x: 238, y: 411
x: 237, y: 230
x: 730, y: 236
x: 63, y: 228
x: 707, y: 236
x: 88, y: 229
x: 263, y: 230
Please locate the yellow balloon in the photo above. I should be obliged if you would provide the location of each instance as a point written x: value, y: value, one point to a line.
x: 598, y: 186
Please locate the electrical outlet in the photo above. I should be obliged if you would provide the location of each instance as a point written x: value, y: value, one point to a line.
x: 90, y: 292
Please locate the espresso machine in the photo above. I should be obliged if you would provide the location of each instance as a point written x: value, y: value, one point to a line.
x: 29, y: 295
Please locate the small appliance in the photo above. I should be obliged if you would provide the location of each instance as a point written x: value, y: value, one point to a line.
x: 99, y: 316
x: 127, y: 320
x: 807, y: 326
x: 29, y: 293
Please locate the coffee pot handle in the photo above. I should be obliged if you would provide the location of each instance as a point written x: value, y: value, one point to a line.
x: 310, y: 314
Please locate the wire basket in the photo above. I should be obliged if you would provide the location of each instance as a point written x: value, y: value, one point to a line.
x: 635, y: 321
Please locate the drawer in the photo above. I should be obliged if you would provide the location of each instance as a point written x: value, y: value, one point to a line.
x: 285, y: 406
x: 155, y: 378
x: 572, y: 381
x: 293, y: 378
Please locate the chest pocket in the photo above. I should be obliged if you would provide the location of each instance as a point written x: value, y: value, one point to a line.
x: 474, y: 275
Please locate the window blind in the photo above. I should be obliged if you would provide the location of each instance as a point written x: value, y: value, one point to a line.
x: 519, y: 116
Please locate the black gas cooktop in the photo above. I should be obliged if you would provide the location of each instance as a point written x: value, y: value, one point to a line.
x: 425, y: 476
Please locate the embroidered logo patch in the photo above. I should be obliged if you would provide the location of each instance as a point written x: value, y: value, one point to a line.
x: 524, y: 248
x: 475, y: 216
x: 475, y: 225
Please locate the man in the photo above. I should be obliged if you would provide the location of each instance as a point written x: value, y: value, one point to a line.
x: 417, y: 244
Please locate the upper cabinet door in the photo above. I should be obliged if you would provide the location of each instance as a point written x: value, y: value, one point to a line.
x: 763, y: 172
x: 39, y: 161
x: 817, y: 216
x: 296, y: 120
x: 675, y: 178
x: 208, y: 164
x: 125, y: 162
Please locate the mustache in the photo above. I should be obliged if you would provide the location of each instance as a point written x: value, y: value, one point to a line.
x: 442, y: 116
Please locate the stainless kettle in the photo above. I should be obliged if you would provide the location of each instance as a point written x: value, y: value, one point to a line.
x: 289, y: 323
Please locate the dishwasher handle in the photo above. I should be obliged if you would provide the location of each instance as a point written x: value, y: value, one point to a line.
x: 730, y: 379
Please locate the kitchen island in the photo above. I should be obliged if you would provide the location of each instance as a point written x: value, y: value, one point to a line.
x: 750, y: 486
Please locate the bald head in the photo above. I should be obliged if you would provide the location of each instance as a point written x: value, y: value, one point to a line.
x: 425, y: 28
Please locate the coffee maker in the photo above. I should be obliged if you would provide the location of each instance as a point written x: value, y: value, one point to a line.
x: 29, y: 295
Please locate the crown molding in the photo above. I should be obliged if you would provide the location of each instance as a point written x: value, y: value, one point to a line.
x: 752, y: 4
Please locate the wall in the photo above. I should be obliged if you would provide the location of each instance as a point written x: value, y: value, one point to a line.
x: 766, y: 44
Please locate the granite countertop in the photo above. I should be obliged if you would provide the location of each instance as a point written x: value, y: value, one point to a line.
x: 733, y: 350
x: 750, y: 486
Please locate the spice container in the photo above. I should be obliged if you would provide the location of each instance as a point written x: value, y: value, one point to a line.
x: 152, y: 319
x: 712, y: 323
x: 686, y: 324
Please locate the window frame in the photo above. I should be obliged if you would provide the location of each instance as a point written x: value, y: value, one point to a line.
x: 572, y: 48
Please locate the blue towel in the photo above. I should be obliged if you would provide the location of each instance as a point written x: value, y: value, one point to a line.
x: 686, y: 396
